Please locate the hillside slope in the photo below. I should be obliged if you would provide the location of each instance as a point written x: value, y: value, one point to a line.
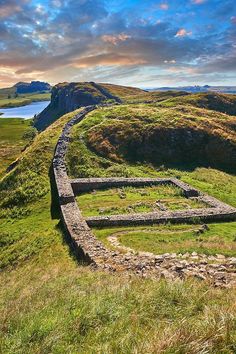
x: 67, y: 97
x: 51, y: 304
x: 214, y: 101
x: 179, y: 136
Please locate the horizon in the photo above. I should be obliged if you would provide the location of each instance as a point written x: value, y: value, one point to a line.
x: 149, y: 44
x: 141, y: 87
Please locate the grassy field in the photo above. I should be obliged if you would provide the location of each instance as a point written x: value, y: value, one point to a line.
x: 51, y: 304
x: 23, y: 100
x: 11, y: 140
x: 134, y: 200
x: 159, y: 239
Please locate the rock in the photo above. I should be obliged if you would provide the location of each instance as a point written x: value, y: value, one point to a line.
x: 200, y: 276
x: 220, y: 256
x: 167, y: 275
x: 194, y: 254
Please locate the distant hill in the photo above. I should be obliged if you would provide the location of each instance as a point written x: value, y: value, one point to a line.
x: 195, y: 89
x: 22, y: 88
x: 33, y: 86
x: 224, y: 103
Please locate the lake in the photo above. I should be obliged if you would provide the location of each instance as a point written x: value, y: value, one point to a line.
x: 25, y: 112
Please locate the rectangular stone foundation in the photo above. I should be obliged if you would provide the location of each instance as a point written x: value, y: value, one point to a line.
x: 215, y: 211
x: 87, y: 184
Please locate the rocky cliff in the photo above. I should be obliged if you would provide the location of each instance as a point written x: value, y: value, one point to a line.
x: 66, y: 97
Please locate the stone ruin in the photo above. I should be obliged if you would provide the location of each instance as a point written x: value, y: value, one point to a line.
x: 219, y: 270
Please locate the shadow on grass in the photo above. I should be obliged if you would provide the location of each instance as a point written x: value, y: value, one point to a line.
x: 75, y: 252
x: 55, y: 206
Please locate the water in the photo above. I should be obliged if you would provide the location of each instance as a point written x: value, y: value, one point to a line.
x: 25, y: 112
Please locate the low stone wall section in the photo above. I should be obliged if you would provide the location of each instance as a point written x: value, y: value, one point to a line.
x: 188, y: 190
x: 85, y: 184
x: 217, y: 210
x: 181, y: 216
x: 80, y: 185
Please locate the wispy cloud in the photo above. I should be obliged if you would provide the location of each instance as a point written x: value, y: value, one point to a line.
x: 182, y: 32
x: 197, y: 2
x: 164, y: 6
x: 115, y: 39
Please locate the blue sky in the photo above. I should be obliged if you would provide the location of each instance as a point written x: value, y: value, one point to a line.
x: 142, y: 43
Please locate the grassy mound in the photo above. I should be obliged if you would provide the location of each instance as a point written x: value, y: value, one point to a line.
x: 178, y: 136
x: 66, y: 97
x: 214, y: 101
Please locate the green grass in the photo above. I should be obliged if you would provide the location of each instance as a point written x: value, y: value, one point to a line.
x: 225, y: 103
x: 159, y: 239
x: 54, y: 306
x: 51, y: 304
x: 23, y: 100
x: 11, y: 140
x: 85, y: 161
x: 123, y: 136
x: 134, y: 200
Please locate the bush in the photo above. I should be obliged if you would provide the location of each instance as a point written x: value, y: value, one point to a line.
x: 30, y: 134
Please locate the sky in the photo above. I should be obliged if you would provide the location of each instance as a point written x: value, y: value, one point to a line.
x: 142, y: 43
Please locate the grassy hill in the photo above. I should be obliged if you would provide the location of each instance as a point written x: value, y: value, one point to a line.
x: 67, y: 97
x: 214, y: 101
x: 50, y: 303
x: 23, y: 100
x: 174, y: 136
x: 9, y: 97
x: 12, y: 131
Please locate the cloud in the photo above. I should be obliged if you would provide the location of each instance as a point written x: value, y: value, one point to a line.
x: 89, y: 39
x: 183, y: 33
x: 115, y: 39
x: 197, y: 2
x: 10, y: 7
x: 233, y: 20
x: 109, y: 59
x: 164, y: 6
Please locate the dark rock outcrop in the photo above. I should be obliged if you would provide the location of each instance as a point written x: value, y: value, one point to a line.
x: 67, y: 97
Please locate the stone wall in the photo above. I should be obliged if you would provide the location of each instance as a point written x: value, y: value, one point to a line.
x: 217, y: 211
x: 78, y: 230
x: 90, y: 250
x: 177, y: 217
x: 80, y: 185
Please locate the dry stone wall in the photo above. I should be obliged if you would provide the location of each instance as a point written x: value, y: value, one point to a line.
x: 92, y: 251
x: 215, y: 210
